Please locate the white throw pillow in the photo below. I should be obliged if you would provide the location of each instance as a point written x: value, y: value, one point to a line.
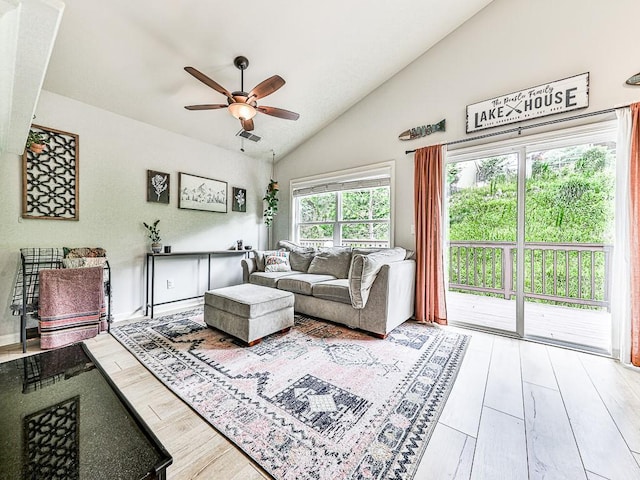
x: 277, y: 263
x: 261, y: 256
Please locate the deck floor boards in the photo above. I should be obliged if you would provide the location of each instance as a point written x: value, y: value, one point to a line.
x: 582, y: 327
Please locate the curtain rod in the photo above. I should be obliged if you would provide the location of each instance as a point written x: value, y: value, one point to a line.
x: 526, y: 127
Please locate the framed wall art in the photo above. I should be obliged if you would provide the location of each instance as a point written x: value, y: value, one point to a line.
x: 201, y: 193
x: 239, y: 200
x: 50, y: 178
x: 158, y: 187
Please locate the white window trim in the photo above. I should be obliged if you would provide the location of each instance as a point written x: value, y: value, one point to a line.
x: 376, y: 170
x: 593, y: 132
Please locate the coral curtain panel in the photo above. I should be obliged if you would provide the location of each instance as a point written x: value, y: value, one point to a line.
x: 634, y: 227
x: 430, y: 292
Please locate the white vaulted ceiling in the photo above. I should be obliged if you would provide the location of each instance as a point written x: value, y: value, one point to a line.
x: 128, y: 57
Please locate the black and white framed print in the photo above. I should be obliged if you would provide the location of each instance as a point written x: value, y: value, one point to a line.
x: 239, y: 200
x: 202, y: 193
x: 158, y: 187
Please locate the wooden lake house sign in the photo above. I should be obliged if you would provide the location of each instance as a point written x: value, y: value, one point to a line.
x: 548, y: 99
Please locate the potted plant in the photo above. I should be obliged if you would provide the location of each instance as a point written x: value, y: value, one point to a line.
x: 36, y: 142
x: 272, y: 202
x: 154, y: 235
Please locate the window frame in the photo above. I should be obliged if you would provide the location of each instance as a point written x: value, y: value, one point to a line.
x: 365, y: 173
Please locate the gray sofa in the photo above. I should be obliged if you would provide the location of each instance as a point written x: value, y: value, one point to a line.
x: 367, y: 289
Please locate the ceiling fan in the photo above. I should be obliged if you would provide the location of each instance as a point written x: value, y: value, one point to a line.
x: 241, y: 104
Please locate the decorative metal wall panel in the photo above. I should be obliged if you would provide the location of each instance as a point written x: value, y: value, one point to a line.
x: 50, y: 179
x: 51, y: 438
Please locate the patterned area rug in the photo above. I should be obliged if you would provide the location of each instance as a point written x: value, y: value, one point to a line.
x: 320, y: 402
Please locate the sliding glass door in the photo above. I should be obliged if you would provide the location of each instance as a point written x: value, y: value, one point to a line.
x: 530, y: 237
x: 483, y: 218
x: 568, y: 244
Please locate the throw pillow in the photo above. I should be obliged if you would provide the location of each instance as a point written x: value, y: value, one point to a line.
x: 332, y: 261
x: 84, y: 262
x: 261, y: 256
x: 364, y: 270
x: 84, y: 252
x: 277, y: 263
x: 299, y: 257
x: 366, y: 250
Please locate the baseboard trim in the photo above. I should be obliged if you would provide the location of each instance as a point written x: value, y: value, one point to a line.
x: 14, y: 338
x: 9, y: 339
x: 159, y: 310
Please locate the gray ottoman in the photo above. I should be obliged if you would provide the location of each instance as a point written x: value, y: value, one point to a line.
x: 249, y: 312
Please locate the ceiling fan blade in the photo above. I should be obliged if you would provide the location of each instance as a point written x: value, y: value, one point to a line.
x: 266, y: 87
x: 279, y: 112
x: 209, y: 82
x: 213, y: 106
x: 247, y: 125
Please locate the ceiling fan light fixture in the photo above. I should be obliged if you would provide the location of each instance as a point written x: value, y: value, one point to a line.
x: 242, y: 111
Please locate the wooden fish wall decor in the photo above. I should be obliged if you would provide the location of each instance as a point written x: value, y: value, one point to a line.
x: 634, y: 80
x: 422, y: 131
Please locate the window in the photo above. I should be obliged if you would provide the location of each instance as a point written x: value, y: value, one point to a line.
x: 348, y: 209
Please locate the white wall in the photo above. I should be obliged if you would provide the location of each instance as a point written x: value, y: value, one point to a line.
x: 114, y: 155
x: 508, y: 46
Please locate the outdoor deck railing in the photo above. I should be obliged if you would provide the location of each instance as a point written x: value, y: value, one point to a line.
x: 347, y: 242
x: 571, y: 273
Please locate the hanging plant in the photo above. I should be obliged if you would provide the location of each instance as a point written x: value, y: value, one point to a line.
x: 271, y: 198
x: 36, y: 142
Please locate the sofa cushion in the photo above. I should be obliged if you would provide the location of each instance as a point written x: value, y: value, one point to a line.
x: 268, y: 279
x: 299, y: 257
x: 365, y: 268
x: 334, y: 290
x: 302, y: 283
x: 332, y: 261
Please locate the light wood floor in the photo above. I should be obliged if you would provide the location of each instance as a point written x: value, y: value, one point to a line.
x: 518, y: 410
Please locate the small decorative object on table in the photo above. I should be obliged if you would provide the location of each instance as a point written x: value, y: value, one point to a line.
x: 154, y: 235
x: 239, y: 243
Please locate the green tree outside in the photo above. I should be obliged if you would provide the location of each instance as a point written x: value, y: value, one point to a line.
x: 569, y: 199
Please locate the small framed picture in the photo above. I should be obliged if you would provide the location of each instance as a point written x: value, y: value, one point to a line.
x: 201, y: 193
x: 158, y: 187
x: 239, y: 201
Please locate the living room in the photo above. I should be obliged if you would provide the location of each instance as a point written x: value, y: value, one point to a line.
x: 495, y: 48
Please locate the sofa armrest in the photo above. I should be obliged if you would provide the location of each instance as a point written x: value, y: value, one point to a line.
x: 249, y: 265
x: 364, y: 271
x: 391, y: 300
